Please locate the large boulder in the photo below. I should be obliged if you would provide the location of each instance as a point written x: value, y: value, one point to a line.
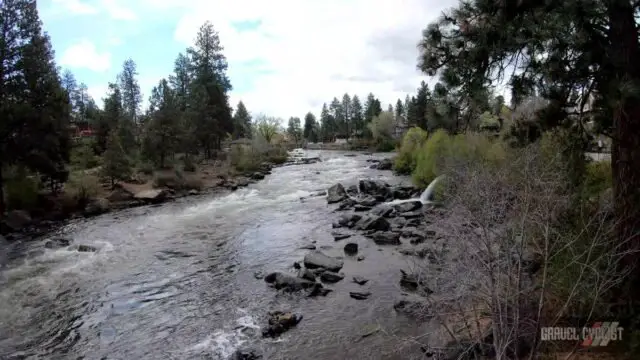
x: 331, y: 277
x: 385, y: 164
x: 152, y: 195
x: 287, y: 282
x: 17, y: 220
x: 336, y: 193
x: 318, y: 259
x: 408, y: 206
x: 373, y: 222
x: 386, y: 238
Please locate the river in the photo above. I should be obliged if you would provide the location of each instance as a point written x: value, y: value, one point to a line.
x: 178, y: 281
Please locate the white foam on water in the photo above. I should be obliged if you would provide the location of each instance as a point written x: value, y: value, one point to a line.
x: 222, y: 343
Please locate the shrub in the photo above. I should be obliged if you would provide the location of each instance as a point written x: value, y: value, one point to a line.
x: 146, y: 168
x: 83, y: 157
x: 82, y: 187
x: 598, y: 177
x: 431, y: 152
x: 188, y: 165
x: 21, y: 192
x: 411, y: 143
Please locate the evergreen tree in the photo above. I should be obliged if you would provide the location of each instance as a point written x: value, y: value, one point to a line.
x: 294, y: 129
x: 241, y: 122
x: 163, y: 130
x: 328, y: 124
x: 420, y: 105
x: 209, y: 109
x: 116, y: 164
x: 357, y: 117
x: 181, y: 80
x: 130, y: 93
x: 347, y: 113
x: 338, y: 116
x: 310, y: 128
x: 399, y: 112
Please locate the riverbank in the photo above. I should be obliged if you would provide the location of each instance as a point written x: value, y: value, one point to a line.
x: 154, y: 188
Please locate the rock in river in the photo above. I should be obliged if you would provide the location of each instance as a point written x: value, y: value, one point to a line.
x: 317, y: 259
x: 359, y: 295
x: 373, y: 222
x: 408, y: 206
x: 306, y: 274
x: 386, y: 238
x: 360, y: 280
x: 336, y: 193
x: 331, y: 277
x: 279, y: 322
x: 351, y: 248
x: 340, y: 236
x: 287, y: 282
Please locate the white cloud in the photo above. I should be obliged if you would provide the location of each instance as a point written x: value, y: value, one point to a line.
x: 75, y: 6
x: 117, y: 11
x: 317, y: 50
x: 85, y: 55
x: 98, y: 92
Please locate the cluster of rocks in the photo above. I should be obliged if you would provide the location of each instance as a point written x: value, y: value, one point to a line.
x: 384, y: 164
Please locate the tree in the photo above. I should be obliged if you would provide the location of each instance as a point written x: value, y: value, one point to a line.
x: 294, y: 130
x: 420, y: 105
x: 209, y: 110
x: 357, y: 118
x: 266, y: 127
x: 116, y: 164
x: 241, y: 122
x: 130, y: 90
x: 328, y: 124
x: 382, y: 126
x: 573, y: 49
x: 163, y: 133
x: 310, y: 129
x: 338, y: 116
x: 399, y: 112
x: 347, y: 114
x: 181, y: 80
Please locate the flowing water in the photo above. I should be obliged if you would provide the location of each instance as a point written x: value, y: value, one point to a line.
x: 179, y: 281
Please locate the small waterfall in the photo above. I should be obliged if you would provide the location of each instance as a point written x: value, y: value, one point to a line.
x: 427, y: 196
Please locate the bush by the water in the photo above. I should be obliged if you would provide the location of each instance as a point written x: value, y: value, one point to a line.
x: 441, y: 150
x: 82, y: 187
x: 21, y: 190
x: 407, y: 155
x: 250, y: 157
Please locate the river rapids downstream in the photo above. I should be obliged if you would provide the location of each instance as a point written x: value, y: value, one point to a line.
x: 179, y: 281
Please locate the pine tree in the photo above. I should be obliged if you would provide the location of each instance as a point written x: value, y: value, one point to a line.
x: 310, y: 128
x: 347, y: 114
x: 242, y: 122
x: 163, y: 136
x: 209, y: 109
x: 357, y: 117
x: 294, y: 130
x: 130, y: 91
x: 337, y: 114
x: 328, y: 124
x: 116, y: 165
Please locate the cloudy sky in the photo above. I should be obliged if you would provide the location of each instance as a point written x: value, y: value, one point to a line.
x: 286, y: 57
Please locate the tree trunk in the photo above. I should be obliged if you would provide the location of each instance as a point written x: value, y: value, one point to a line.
x: 624, y: 55
x: 2, y: 204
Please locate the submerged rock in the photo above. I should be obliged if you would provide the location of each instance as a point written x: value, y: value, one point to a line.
x: 318, y: 290
x: 331, y: 277
x: 307, y: 275
x: 279, y: 322
x: 57, y: 243
x: 246, y: 354
x: 360, y: 280
x: 340, y: 236
x: 287, y: 282
x: 308, y: 247
x: 359, y: 295
x: 318, y: 259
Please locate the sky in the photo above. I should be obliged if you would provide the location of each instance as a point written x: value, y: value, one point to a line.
x: 286, y: 57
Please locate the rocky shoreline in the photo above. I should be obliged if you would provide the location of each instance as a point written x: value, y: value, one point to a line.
x: 389, y: 216
x: 20, y: 225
